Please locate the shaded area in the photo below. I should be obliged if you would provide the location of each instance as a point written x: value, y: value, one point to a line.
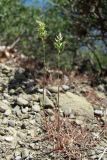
x: 23, y: 81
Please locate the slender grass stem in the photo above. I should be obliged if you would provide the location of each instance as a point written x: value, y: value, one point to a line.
x: 58, y: 90
x: 58, y: 78
x: 44, y: 61
x: 59, y: 46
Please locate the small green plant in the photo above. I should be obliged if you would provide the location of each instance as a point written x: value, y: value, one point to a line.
x: 42, y: 33
x: 59, y: 45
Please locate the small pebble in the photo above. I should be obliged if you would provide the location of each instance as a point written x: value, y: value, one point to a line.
x: 9, y: 138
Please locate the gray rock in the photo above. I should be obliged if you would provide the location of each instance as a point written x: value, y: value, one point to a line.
x: 21, y: 135
x: 35, y: 97
x: 17, y: 153
x: 46, y: 102
x: 24, y: 110
x: 31, y: 132
x: 40, y: 90
x: 73, y: 104
x: 32, y: 121
x: 3, y: 107
x: 32, y: 145
x: 18, y: 158
x: 65, y: 87
x: 9, y: 138
x: 36, y: 107
x: 12, y: 91
x: 7, y: 112
x: 11, y: 123
x: 54, y: 89
x: 98, y: 112
x: 25, y: 153
x: 6, y: 96
x: 79, y: 121
x: 22, y: 101
x: 8, y: 157
x: 17, y: 111
x: 5, y: 121
x: 101, y: 88
x: 49, y: 112
x: 12, y: 131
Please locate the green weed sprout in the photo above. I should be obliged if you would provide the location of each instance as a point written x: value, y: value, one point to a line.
x: 42, y: 33
x: 59, y: 45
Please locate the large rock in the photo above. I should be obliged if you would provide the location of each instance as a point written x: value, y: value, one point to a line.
x: 71, y: 103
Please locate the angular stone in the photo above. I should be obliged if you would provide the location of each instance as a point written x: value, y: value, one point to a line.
x: 46, y: 102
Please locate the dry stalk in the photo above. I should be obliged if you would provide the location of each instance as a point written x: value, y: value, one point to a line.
x: 68, y: 139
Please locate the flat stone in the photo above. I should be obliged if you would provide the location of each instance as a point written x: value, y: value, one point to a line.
x: 3, y: 107
x: 98, y: 112
x: 22, y: 101
x: 11, y: 123
x: 54, y: 89
x: 65, y: 87
x: 71, y: 103
x: 18, y: 158
x: 35, y: 97
x: 36, y: 107
x: 40, y: 90
x: 9, y: 138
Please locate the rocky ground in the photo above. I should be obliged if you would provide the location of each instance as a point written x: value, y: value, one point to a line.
x: 30, y: 131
